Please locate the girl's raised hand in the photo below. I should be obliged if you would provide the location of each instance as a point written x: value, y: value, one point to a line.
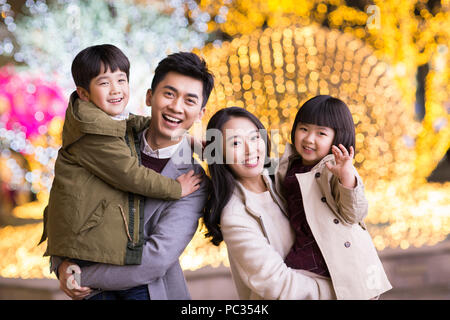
x: 343, y: 169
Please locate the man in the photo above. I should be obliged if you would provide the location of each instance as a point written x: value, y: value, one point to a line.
x: 180, y: 89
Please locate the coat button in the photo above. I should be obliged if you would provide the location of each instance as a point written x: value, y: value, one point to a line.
x: 336, y: 221
x: 323, y: 199
x: 347, y: 244
x: 317, y: 175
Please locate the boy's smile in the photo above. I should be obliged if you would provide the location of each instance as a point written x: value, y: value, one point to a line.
x: 176, y: 103
x: 109, y: 91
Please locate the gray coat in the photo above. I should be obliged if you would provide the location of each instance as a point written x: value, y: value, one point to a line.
x: 168, y: 228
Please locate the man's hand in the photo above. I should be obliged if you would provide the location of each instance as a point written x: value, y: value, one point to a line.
x: 190, y: 182
x: 67, y: 281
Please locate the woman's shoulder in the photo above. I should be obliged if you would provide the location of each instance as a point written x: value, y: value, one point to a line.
x: 233, y: 209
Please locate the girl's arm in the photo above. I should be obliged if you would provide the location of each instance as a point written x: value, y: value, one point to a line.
x: 347, y: 187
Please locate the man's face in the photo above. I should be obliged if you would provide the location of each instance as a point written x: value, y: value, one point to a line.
x: 176, y: 103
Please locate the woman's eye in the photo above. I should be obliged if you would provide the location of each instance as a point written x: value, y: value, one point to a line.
x: 323, y: 133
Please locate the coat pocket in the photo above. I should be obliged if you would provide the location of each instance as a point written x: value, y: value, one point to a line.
x: 94, y: 218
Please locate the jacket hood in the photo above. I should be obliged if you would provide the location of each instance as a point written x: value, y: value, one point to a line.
x: 86, y: 118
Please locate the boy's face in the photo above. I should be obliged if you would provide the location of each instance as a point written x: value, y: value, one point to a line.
x: 109, y: 91
x: 176, y: 103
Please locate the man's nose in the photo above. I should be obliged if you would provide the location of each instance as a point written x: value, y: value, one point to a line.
x: 176, y: 105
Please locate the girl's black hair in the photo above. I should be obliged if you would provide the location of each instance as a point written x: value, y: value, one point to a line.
x: 329, y: 112
x: 88, y: 62
x: 222, y: 178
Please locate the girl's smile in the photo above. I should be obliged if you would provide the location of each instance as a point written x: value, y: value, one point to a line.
x: 313, y: 142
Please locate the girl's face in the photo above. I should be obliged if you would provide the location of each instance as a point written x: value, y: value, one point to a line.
x: 244, y: 148
x: 313, y: 142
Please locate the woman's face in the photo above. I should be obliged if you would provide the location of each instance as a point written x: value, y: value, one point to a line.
x: 244, y: 148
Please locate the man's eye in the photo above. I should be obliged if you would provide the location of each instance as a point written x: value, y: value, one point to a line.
x: 191, y: 101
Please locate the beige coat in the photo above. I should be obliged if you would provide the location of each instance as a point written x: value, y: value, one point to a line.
x: 257, y: 246
x: 335, y: 215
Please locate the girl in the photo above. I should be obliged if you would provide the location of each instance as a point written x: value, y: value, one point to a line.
x: 245, y: 211
x: 326, y: 203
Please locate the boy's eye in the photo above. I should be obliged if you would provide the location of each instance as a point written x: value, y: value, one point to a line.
x: 122, y: 80
x: 103, y: 83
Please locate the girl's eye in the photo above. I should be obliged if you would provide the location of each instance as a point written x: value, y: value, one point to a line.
x: 254, y: 138
x: 122, y: 80
x: 323, y: 133
x: 302, y: 128
x: 103, y: 83
x: 236, y: 143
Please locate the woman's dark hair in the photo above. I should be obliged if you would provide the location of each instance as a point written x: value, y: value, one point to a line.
x: 88, y: 63
x: 329, y: 112
x: 188, y: 64
x: 222, y: 178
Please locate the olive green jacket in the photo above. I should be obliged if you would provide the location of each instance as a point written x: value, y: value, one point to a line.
x: 95, y: 211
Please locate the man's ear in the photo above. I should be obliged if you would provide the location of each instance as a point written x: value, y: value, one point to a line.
x: 83, y: 94
x: 148, y: 97
x: 201, y: 114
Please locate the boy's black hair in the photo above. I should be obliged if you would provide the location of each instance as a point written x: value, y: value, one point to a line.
x: 188, y: 64
x: 329, y: 112
x: 88, y: 63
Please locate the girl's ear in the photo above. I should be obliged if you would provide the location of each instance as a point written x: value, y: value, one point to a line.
x: 83, y: 94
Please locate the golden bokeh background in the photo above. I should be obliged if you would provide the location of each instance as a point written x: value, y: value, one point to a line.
x: 277, y: 54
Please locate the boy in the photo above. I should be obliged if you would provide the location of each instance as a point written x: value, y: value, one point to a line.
x: 95, y: 210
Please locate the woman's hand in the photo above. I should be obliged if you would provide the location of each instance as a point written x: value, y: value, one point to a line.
x: 343, y: 169
x: 68, y: 283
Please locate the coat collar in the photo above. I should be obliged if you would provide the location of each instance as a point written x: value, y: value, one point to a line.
x: 86, y: 118
x: 253, y: 206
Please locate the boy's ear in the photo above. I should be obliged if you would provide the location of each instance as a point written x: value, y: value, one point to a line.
x: 148, y: 97
x: 83, y: 94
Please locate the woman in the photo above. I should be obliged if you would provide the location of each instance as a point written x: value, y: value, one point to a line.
x: 245, y: 211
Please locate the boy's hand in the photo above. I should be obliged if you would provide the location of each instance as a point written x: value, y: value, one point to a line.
x: 68, y: 283
x: 344, y: 167
x: 190, y: 182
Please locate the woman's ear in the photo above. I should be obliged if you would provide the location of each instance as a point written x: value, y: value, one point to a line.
x: 83, y: 94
